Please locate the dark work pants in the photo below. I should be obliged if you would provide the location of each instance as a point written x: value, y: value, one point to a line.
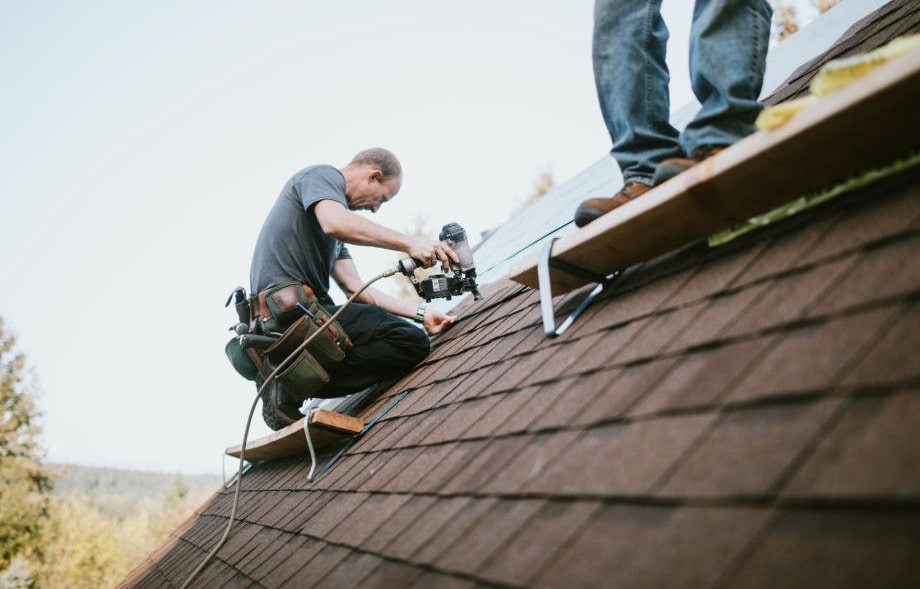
x: 385, y: 347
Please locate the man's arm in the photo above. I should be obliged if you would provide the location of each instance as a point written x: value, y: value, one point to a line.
x: 345, y: 274
x: 344, y: 225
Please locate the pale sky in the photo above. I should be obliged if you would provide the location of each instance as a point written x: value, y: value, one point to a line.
x: 142, y: 144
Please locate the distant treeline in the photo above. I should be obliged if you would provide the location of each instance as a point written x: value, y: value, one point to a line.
x: 121, y: 493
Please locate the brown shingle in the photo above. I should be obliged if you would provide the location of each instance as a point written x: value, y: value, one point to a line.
x: 561, y: 400
x: 429, y: 580
x: 524, y: 407
x: 812, y: 356
x: 749, y: 451
x: 389, y: 464
x: 324, y: 520
x: 291, y: 553
x: 655, y: 335
x: 538, y: 455
x: 423, y: 462
x: 613, y: 341
x: 260, y: 547
x: 617, y: 392
x: 391, y: 574
x: 450, y: 464
x: 374, y: 472
x: 871, y: 222
x: 643, y: 546
x: 453, y: 531
x: 463, y: 419
x: 620, y: 459
x: 316, y: 568
x: 789, y: 296
x: 783, y: 247
x: 403, y: 517
x: 354, y: 529
x: 241, y: 540
x: 871, y: 452
x: 893, y: 359
x: 350, y: 572
x: 414, y: 537
x: 629, y: 304
x: 836, y: 548
x: 886, y: 271
x: 493, y: 455
x: 701, y: 378
x: 520, y: 559
x: 488, y: 534
x: 719, y: 271
x: 715, y: 316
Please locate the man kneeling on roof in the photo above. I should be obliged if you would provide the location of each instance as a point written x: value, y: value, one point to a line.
x: 303, y: 241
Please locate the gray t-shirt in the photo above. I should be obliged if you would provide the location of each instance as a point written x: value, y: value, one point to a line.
x: 292, y: 245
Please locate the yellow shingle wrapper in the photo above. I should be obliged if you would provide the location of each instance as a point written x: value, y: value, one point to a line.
x: 806, y: 202
x: 833, y: 76
x: 774, y: 116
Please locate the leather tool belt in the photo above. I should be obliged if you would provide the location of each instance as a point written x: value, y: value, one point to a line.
x: 285, y: 316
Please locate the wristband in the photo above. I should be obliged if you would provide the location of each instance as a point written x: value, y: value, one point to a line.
x: 420, y: 312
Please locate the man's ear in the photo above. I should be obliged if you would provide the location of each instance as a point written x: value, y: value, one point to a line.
x: 375, y: 175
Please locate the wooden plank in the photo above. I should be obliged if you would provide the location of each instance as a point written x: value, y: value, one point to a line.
x: 866, y: 125
x: 326, y: 427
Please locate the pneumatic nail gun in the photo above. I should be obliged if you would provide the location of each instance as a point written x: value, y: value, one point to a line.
x: 462, y: 275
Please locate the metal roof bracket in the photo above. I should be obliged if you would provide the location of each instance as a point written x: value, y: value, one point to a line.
x: 546, y: 294
x: 311, y: 477
x: 306, y: 430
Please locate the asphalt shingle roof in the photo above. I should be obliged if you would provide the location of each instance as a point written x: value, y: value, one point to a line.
x: 740, y: 416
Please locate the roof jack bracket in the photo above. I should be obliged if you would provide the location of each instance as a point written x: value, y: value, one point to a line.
x: 546, y: 292
x: 351, y: 441
x: 306, y: 431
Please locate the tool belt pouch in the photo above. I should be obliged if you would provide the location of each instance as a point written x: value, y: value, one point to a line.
x: 278, y: 305
x: 328, y: 347
x: 241, y: 360
x: 306, y: 374
x: 304, y: 377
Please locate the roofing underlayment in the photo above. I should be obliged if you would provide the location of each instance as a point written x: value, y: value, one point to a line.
x: 737, y: 416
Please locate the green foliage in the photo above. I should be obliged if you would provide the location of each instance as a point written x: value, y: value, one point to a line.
x: 103, y: 522
x: 86, y: 545
x: 83, y: 549
x: 24, y: 482
x: 93, y: 530
x: 122, y: 493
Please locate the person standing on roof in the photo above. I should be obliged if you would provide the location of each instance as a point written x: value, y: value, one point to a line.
x: 728, y: 48
x: 304, y: 240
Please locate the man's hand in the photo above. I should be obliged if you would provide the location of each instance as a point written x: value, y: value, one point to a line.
x: 436, y: 322
x: 430, y: 252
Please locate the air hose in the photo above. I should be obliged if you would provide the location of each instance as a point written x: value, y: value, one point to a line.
x: 255, y: 402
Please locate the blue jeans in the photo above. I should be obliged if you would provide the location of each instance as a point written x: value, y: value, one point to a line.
x: 728, y: 48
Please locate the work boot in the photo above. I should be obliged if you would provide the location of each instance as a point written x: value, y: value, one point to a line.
x: 279, y: 408
x: 675, y: 165
x: 593, y: 208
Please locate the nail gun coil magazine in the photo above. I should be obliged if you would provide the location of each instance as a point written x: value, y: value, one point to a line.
x: 462, y: 277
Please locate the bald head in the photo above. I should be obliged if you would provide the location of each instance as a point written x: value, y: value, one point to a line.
x: 379, y: 159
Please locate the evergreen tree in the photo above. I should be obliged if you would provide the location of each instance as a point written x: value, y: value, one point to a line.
x: 84, y: 549
x: 25, y: 484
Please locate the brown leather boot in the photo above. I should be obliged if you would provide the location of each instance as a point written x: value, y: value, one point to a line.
x: 593, y: 208
x: 671, y: 167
